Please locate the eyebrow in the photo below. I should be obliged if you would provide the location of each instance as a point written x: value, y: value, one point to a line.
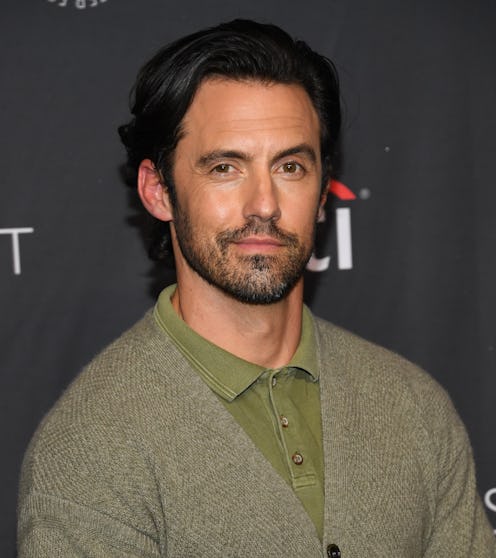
x: 301, y: 149
x: 219, y: 154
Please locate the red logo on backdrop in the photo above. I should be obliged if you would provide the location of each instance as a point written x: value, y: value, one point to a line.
x: 343, y: 231
x: 341, y: 191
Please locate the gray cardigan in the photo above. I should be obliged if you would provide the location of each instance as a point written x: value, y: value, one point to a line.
x: 139, y: 458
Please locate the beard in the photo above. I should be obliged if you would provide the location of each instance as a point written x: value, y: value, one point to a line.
x: 253, y: 278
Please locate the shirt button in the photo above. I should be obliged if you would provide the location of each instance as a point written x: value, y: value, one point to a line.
x: 297, y: 458
x: 333, y: 551
x: 274, y: 381
x: 284, y: 422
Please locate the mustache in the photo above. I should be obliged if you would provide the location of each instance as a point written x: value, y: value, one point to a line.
x: 257, y: 228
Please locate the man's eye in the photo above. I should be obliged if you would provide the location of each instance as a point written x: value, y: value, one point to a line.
x: 291, y: 167
x: 222, y: 168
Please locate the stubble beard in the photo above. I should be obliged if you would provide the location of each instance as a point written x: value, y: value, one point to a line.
x: 253, y: 278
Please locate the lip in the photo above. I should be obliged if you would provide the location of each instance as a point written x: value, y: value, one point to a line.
x: 259, y: 243
x: 262, y: 240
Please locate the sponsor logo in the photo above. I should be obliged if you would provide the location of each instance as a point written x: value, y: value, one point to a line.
x: 79, y: 4
x: 490, y: 500
x: 16, y: 249
x: 343, y: 232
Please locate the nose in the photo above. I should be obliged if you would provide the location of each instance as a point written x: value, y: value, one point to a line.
x: 261, y: 198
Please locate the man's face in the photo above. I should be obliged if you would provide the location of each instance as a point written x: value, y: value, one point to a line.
x: 247, y: 174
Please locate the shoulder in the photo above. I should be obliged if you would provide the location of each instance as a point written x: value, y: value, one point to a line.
x: 366, y: 361
x: 393, y: 408
x: 92, y: 455
x: 383, y: 381
x: 133, y: 363
x: 101, y: 440
x: 106, y: 411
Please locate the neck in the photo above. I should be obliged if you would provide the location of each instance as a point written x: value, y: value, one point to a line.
x: 267, y: 335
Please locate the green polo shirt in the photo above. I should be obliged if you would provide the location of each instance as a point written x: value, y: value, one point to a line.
x: 278, y: 408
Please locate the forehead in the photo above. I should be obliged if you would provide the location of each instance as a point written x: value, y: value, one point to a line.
x: 228, y: 110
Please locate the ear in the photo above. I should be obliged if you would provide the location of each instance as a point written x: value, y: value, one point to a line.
x: 323, y: 196
x: 153, y: 192
x: 321, y: 214
x: 323, y: 199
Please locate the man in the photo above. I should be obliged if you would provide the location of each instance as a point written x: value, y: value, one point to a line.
x: 230, y: 421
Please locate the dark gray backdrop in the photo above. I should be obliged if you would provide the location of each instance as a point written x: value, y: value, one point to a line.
x: 419, y: 86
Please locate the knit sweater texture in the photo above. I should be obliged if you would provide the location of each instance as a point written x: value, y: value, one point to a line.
x: 140, y: 459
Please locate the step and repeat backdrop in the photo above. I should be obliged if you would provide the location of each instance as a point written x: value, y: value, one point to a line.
x: 404, y: 257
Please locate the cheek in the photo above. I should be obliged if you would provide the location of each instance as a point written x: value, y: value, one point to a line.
x: 302, y: 215
x: 218, y: 208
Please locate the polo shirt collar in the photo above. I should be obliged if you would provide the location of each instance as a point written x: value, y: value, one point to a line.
x: 225, y: 373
